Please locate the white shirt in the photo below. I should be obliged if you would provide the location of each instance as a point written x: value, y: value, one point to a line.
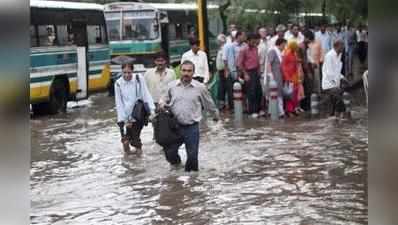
x: 290, y: 37
x: 362, y: 35
x: 326, y: 41
x: 200, y: 62
x: 127, y: 93
x: 331, y: 70
x: 157, y: 83
x: 272, y: 41
x: 229, y: 39
x: 263, y: 54
x: 219, y: 59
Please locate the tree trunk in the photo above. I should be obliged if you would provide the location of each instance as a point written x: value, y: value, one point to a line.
x: 324, y: 11
x: 222, y: 9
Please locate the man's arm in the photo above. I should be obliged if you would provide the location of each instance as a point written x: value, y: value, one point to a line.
x: 147, y: 96
x: 207, y: 72
x: 165, y: 98
x: 208, y: 103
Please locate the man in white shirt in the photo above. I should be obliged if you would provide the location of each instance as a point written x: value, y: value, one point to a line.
x: 159, y: 77
x: 199, y: 59
x: 130, y: 88
x: 280, y: 32
x: 324, y: 37
x: 232, y: 28
x: 332, y: 77
x: 294, y: 35
x: 263, y: 48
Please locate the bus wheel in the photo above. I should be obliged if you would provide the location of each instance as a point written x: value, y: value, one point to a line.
x: 40, y: 109
x: 58, y: 97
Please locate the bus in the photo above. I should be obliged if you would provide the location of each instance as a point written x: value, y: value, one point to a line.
x: 182, y: 23
x: 141, y: 30
x: 69, y: 55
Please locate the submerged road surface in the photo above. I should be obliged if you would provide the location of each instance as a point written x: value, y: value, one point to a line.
x: 295, y: 172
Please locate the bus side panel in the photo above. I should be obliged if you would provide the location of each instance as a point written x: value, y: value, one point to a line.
x: 99, y: 70
x: 134, y: 48
x: 177, y: 48
x: 46, y: 64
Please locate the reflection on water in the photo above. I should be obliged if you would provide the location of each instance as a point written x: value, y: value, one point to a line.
x: 299, y: 172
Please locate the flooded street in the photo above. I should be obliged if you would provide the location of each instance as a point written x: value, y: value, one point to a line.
x: 294, y: 172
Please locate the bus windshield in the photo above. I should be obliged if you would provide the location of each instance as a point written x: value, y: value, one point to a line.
x: 113, y: 24
x: 135, y: 28
x: 136, y: 25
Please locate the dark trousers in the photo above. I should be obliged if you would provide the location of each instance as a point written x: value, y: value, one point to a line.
x: 190, y: 135
x: 133, y: 134
x: 253, y: 92
x: 308, y: 85
x: 336, y: 100
x: 225, y: 88
x: 362, y: 51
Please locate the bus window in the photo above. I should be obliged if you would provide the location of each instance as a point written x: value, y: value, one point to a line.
x: 172, y: 31
x: 179, y: 31
x: 113, y: 25
x: 135, y: 28
x: 62, y: 35
x: 33, y: 37
x: 95, y: 34
x: 47, y: 35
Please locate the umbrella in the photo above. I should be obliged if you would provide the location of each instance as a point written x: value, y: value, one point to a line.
x: 123, y: 59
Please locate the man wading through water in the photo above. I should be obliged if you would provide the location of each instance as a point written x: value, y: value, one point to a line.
x: 186, y: 98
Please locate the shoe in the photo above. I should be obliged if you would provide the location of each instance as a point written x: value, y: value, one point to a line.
x: 262, y: 113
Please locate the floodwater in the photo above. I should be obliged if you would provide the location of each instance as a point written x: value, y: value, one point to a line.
x: 293, y: 172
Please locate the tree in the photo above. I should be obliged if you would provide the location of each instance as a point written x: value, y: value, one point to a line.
x: 222, y: 10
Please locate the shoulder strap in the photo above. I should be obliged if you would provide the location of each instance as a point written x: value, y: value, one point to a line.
x: 120, y: 92
x: 139, y: 86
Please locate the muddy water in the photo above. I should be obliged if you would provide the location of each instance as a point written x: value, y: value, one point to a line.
x: 296, y: 172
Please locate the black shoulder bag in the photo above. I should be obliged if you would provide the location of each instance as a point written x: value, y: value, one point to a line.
x: 141, y: 109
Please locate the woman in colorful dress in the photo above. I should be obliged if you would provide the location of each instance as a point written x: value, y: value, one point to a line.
x: 290, y: 70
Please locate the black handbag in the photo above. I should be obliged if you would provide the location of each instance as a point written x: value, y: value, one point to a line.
x: 166, y: 129
x: 141, y: 109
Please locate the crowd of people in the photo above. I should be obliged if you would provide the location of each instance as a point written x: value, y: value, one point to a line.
x: 300, y: 62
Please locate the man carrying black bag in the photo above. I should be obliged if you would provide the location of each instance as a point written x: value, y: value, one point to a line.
x: 134, y: 106
x: 185, y: 99
x: 166, y: 130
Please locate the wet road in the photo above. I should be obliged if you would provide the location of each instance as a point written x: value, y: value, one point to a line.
x: 296, y: 172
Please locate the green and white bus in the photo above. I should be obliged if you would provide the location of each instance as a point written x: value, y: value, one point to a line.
x: 141, y: 30
x: 69, y: 53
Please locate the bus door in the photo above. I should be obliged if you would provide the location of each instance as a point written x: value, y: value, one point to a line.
x: 164, y: 31
x: 81, y: 41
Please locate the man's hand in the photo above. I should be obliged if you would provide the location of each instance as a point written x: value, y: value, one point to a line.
x: 161, y: 105
x: 151, y: 117
x: 120, y: 124
x: 246, y: 76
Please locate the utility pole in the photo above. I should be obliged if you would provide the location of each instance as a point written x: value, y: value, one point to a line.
x: 202, y: 25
